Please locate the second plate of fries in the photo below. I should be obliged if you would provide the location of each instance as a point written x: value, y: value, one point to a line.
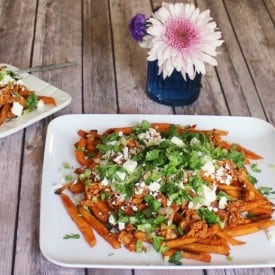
x: 117, y: 192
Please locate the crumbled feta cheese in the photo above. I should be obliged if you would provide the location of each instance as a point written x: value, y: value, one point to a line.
x: 112, y: 220
x: 121, y: 225
x: 193, y: 205
x: 222, y: 176
x: 209, y: 195
x: 105, y: 182
x: 151, y: 137
x: 271, y: 235
x: 154, y: 187
x: 118, y: 158
x: 40, y: 104
x: 17, y: 109
x: 209, y: 168
x: 177, y: 141
x: 130, y: 165
x: 194, y: 141
x: 222, y: 202
x: 140, y: 187
x: 121, y: 175
x: 125, y: 152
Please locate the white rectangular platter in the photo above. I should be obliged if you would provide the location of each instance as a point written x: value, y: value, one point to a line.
x: 40, y: 87
x: 252, y: 133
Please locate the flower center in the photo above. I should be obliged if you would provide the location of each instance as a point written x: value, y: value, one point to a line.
x: 180, y: 34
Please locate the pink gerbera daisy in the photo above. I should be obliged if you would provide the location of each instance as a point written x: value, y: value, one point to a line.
x: 181, y: 37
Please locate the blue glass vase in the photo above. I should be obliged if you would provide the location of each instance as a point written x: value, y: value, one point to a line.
x: 173, y: 90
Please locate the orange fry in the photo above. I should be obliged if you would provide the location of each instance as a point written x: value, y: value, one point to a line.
x: 203, y: 257
x: 47, y: 100
x: 83, y: 226
x: 100, y: 228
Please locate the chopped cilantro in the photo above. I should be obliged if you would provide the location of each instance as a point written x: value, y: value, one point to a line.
x: 252, y: 179
x: 209, y: 216
x: 139, y: 246
x: 66, y: 165
x: 176, y: 258
x: 71, y: 236
x: 236, y: 156
x: 266, y: 190
x: 68, y: 177
x: 229, y: 258
x: 157, y: 243
x: 152, y: 202
x: 32, y: 101
x: 255, y: 168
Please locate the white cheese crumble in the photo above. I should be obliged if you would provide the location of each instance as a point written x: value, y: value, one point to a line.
x: 193, y: 205
x: 118, y: 158
x: 121, y: 175
x: 177, y: 141
x: 130, y: 165
x: 40, y: 104
x: 121, y: 225
x: 209, y: 168
x: 154, y: 187
x: 17, y: 109
x: 194, y: 141
x: 105, y: 182
x: 150, y: 137
x: 222, y: 176
x: 112, y: 220
x: 222, y: 202
x: 209, y: 195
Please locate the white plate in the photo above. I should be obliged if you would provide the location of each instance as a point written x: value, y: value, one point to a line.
x: 252, y: 133
x: 41, y: 88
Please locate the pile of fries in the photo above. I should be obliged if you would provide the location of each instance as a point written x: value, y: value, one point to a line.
x: 183, y: 191
x: 14, y: 92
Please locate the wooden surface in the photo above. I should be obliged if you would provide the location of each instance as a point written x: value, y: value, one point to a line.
x: 110, y: 78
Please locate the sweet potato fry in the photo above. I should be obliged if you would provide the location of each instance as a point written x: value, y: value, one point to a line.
x: 100, y: 228
x: 228, y: 238
x: 47, y: 100
x: 81, y: 223
x: 203, y: 257
x: 99, y: 209
x: 79, y: 151
x: 206, y: 248
x: 180, y: 242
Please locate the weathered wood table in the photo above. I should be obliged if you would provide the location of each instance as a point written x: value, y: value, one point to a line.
x: 110, y: 78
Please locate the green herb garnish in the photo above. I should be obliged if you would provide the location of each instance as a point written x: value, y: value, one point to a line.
x: 71, y: 236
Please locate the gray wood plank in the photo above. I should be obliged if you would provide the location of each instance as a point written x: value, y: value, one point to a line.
x: 130, y: 60
x: 15, y: 49
x: 169, y: 272
x: 257, y: 47
x: 57, y: 39
x: 238, y: 87
x: 98, y: 271
x: 98, y: 67
x: 270, y: 6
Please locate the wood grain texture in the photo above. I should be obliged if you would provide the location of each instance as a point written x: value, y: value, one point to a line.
x: 97, y: 271
x: 257, y: 47
x: 130, y: 60
x: 57, y: 39
x: 98, y: 66
x: 15, y: 48
x: 110, y: 78
x: 237, y: 84
x: 169, y: 272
